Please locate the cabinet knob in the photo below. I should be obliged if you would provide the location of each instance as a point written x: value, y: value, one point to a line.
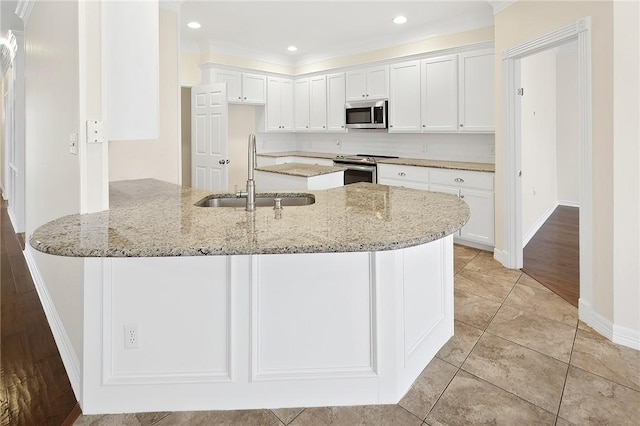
x: 461, y: 196
x: 342, y: 127
x: 306, y: 127
x: 363, y: 95
x: 391, y: 125
x: 461, y: 125
x: 324, y: 127
x: 227, y: 162
x: 402, y: 174
x: 424, y: 125
x: 240, y: 97
x: 245, y: 98
x: 367, y: 95
x: 459, y: 180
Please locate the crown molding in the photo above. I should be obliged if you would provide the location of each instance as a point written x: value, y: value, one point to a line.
x: 24, y: 9
x: 500, y: 5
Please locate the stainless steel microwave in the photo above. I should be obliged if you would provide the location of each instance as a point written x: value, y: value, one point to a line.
x: 366, y: 114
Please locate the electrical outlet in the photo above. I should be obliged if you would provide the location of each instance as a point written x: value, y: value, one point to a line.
x: 338, y: 143
x: 73, y: 143
x: 131, y: 336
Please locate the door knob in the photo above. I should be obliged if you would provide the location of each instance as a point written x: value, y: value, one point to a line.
x: 226, y: 162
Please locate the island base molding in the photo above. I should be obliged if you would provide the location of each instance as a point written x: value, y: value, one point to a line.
x: 263, y: 331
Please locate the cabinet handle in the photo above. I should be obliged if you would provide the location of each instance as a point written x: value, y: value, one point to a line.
x: 459, y: 180
x: 402, y: 174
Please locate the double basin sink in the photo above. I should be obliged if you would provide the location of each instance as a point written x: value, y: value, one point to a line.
x: 262, y: 200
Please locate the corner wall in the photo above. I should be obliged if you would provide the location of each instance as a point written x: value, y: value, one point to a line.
x: 159, y: 158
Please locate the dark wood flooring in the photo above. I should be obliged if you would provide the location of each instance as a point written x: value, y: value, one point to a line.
x: 34, y: 387
x: 552, y: 256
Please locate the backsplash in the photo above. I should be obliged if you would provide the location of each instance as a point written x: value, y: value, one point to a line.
x: 433, y: 146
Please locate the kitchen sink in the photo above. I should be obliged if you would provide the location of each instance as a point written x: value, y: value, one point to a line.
x: 262, y: 200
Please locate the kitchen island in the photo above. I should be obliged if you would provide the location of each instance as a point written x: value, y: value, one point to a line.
x: 341, y: 302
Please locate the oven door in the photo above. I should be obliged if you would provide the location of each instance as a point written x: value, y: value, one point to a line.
x: 358, y: 173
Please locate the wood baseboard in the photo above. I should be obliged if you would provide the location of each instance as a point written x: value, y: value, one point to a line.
x: 75, y: 413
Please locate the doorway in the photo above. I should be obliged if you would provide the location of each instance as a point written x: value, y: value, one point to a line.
x: 512, y: 256
x: 550, y: 168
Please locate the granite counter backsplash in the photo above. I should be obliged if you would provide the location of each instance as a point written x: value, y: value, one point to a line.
x: 150, y: 218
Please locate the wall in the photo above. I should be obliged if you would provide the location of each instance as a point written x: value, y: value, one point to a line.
x: 567, y: 125
x: 3, y: 90
x: 538, y: 133
x: 242, y: 120
x: 526, y: 20
x: 52, y: 174
x: 626, y: 173
x: 159, y: 159
x: 185, y: 134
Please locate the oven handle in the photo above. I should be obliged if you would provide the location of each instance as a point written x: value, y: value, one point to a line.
x: 356, y: 167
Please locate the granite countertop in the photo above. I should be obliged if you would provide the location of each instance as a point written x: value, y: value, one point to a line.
x: 455, y: 165
x: 300, y: 169
x: 153, y: 218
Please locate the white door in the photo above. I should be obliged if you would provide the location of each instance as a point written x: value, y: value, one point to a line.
x: 480, y: 227
x: 209, y: 137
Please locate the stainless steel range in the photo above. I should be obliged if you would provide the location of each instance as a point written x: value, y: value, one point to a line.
x: 360, y: 168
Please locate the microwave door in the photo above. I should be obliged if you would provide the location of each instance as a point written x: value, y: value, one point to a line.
x: 359, y: 117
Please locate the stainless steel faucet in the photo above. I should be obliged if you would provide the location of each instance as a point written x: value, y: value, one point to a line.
x: 251, y: 183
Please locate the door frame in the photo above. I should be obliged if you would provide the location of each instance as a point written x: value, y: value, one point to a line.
x: 512, y: 256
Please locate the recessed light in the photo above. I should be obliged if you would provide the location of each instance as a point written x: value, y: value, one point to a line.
x: 292, y: 48
x: 399, y: 20
x: 194, y: 25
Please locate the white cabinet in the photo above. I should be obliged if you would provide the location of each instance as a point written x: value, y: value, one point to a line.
x: 241, y: 87
x: 279, y: 105
x: 407, y: 176
x: 439, y: 94
x: 367, y: 83
x: 318, y: 103
x: 404, y: 97
x: 335, y: 102
x: 476, y: 97
x: 301, y: 104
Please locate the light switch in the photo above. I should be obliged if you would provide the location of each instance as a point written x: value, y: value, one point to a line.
x: 95, y: 131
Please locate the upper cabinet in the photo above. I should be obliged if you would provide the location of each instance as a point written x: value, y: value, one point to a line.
x: 335, y: 102
x: 439, y: 84
x: 301, y: 104
x: 367, y: 83
x: 242, y: 88
x: 476, y: 75
x: 404, y: 99
x: 318, y: 103
x: 279, y: 105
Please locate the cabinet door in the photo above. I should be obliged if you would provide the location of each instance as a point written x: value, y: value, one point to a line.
x: 286, y: 105
x: 476, y: 91
x: 335, y: 102
x: 404, y: 98
x: 356, y: 82
x: 273, y: 105
x: 301, y: 93
x: 318, y: 104
x: 445, y: 189
x: 233, y: 80
x: 480, y: 227
x: 440, y: 94
x: 378, y: 83
x: 254, y: 89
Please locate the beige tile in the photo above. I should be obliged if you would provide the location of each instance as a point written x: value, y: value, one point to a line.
x: 486, y: 264
x: 531, y: 282
x: 474, y: 310
x: 534, y: 377
x: 597, y: 354
x: 456, y: 350
x: 286, y: 415
x: 227, y: 418
x: 542, y: 303
x: 488, y: 286
x: 462, y: 255
x: 379, y: 415
x: 108, y: 420
x: 535, y: 332
x: 469, y: 400
x: 428, y: 387
x: 590, y: 399
x: 562, y: 422
x: 149, y: 419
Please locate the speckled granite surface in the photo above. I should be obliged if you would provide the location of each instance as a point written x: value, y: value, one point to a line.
x: 300, y: 169
x: 152, y: 218
x: 455, y: 165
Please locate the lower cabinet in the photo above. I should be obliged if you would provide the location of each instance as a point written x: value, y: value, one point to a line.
x: 476, y: 188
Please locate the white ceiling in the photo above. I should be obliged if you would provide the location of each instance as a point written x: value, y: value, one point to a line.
x: 321, y: 30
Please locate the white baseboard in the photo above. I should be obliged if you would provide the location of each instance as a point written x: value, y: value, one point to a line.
x: 68, y: 355
x: 501, y: 256
x: 536, y: 226
x: 617, y: 334
x: 567, y: 203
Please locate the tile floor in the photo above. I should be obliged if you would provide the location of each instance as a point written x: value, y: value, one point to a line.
x: 520, y: 356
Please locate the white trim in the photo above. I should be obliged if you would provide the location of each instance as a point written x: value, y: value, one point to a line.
x: 536, y: 226
x: 500, y: 5
x: 500, y: 255
x: 24, y: 9
x: 567, y: 203
x: 617, y: 334
x: 67, y: 353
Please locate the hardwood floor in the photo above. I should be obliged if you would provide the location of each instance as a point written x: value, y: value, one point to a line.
x: 34, y: 387
x: 552, y: 256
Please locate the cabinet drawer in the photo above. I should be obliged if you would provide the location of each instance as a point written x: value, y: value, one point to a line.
x: 462, y: 178
x: 403, y: 173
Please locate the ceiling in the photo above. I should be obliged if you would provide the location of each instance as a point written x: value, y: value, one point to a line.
x: 321, y: 30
